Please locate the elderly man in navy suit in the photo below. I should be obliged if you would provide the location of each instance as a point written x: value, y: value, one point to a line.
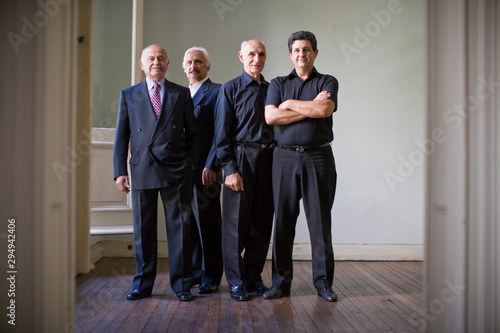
x: 207, y: 220
x: 156, y: 120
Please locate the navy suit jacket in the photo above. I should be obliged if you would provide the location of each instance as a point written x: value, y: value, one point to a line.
x: 204, y: 107
x: 162, y: 151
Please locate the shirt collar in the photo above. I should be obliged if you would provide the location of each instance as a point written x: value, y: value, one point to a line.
x: 247, y: 79
x: 194, y: 88
x: 293, y: 74
x: 151, y: 83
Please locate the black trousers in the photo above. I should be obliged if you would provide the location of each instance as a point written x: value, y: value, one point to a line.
x: 310, y: 176
x: 247, y: 217
x: 177, y: 207
x: 206, y: 230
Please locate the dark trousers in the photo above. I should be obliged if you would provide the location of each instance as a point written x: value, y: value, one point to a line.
x: 206, y: 231
x: 247, y: 217
x: 177, y: 207
x: 310, y: 176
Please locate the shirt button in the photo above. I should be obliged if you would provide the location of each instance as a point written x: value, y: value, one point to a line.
x: 139, y: 129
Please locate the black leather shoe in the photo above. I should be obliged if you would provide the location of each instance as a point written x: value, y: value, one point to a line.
x: 276, y: 292
x: 256, y: 287
x: 197, y: 281
x: 238, y: 293
x: 328, y: 294
x: 208, y: 288
x: 184, y: 295
x: 136, y: 294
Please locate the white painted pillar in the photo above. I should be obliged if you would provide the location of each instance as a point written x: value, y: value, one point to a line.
x: 39, y: 162
x: 462, y: 236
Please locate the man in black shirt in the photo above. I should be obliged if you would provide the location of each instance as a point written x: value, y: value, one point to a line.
x: 244, y: 148
x: 300, y: 106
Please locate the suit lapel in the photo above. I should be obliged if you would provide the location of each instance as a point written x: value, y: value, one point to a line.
x: 142, y: 98
x: 200, y: 94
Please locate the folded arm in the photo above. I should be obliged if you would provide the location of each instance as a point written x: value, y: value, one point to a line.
x: 292, y: 110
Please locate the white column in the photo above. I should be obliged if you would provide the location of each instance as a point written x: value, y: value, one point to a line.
x: 462, y: 235
x: 39, y: 162
x: 446, y: 200
x: 482, y: 106
x: 82, y: 136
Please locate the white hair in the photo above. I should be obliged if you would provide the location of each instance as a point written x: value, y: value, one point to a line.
x: 197, y: 48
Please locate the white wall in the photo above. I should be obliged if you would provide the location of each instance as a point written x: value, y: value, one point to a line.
x: 381, y: 96
x: 375, y: 48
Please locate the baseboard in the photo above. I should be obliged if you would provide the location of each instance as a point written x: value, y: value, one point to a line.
x: 358, y: 252
x: 367, y: 252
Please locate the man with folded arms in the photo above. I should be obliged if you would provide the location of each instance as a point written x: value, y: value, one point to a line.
x: 300, y: 106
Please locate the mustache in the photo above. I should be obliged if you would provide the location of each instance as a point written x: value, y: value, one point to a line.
x: 194, y: 70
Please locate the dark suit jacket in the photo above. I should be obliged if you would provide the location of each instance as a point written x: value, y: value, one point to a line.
x: 204, y: 106
x: 162, y: 151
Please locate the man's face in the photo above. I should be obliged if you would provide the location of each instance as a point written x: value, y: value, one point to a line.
x: 154, y: 62
x: 302, y: 54
x: 195, y: 66
x: 253, y: 57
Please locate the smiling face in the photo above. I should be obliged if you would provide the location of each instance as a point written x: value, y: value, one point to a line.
x: 195, y: 66
x: 302, y: 55
x: 253, y: 57
x: 154, y: 62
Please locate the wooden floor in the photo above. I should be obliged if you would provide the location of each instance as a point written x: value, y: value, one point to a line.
x: 374, y: 297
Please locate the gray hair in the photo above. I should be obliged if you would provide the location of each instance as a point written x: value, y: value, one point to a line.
x: 246, y: 41
x: 197, y: 48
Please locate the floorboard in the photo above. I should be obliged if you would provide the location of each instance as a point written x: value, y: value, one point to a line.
x: 374, y: 297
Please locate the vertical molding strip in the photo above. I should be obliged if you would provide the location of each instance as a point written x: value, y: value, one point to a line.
x: 446, y: 179
x: 137, y: 39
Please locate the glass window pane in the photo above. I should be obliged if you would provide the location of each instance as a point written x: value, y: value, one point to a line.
x: 111, y: 58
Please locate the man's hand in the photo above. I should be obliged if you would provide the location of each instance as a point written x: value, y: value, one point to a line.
x: 208, y: 176
x: 322, y: 96
x: 234, y: 182
x: 123, y: 184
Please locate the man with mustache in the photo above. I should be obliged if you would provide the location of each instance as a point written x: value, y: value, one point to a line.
x: 300, y: 106
x: 206, y: 220
x: 156, y: 121
x: 244, y: 147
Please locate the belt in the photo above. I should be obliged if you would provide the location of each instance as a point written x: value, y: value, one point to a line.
x: 256, y: 144
x: 302, y: 149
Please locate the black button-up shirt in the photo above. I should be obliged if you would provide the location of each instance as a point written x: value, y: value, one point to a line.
x: 308, y: 132
x: 239, y: 117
